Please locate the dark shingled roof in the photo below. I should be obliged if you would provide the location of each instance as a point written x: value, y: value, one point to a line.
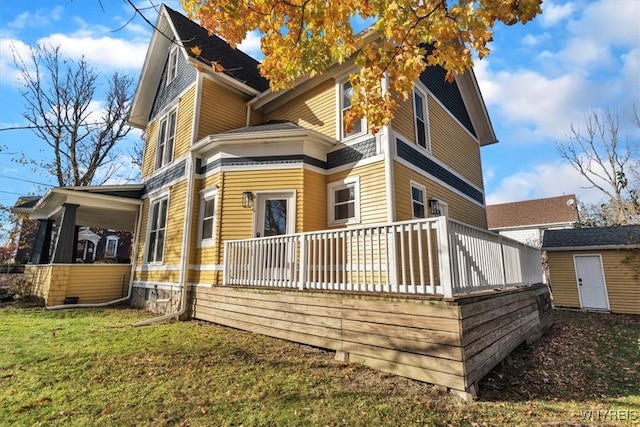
x: 27, y: 201
x: 236, y: 63
x: 619, y: 235
x: 270, y: 125
x: 552, y: 210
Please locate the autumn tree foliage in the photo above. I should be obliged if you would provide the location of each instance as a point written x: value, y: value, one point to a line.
x: 63, y: 110
x: 305, y: 37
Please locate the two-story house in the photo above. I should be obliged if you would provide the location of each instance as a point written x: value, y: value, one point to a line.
x: 259, y: 210
x: 226, y: 158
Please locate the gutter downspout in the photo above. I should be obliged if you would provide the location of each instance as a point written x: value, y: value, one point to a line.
x: 133, y: 267
x: 186, y: 236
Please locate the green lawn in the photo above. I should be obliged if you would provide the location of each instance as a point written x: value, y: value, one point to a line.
x: 91, y: 367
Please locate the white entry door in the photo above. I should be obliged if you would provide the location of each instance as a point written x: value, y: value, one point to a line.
x: 275, y: 214
x: 591, y: 284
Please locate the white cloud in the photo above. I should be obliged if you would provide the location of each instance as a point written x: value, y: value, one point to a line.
x: 251, y: 45
x: 102, y: 52
x: 40, y: 18
x: 609, y: 22
x: 553, y: 13
x: 544, y: 180
x: 9, y: 75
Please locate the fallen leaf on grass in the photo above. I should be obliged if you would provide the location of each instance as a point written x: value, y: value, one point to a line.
x: 33, y: 405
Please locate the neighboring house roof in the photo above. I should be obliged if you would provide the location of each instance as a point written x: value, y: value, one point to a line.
x: 27, y: 202
x: 236, y: 63
x: 595, y: 237
x: 552, y: 210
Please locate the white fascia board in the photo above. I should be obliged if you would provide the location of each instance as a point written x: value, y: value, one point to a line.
x: 221, y: 77
x: 535, y: 226
x: 472, y: 97
x: 591, y: 248
x: 151, y: 70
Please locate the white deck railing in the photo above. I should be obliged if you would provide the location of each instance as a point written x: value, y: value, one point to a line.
x: 426, y: 256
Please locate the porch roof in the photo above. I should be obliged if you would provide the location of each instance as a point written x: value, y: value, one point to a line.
x: 115, y: 207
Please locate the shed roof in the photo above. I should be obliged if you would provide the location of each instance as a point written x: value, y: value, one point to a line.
x: 551, y: 210
x: 614, y: 236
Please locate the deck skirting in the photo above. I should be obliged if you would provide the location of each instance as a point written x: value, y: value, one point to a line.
x: 450, y: 343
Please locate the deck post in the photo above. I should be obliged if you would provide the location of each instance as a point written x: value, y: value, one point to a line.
x: 226, y: 260
x: 444, y: 258
x: 302, y: 278
x: 502, y: 264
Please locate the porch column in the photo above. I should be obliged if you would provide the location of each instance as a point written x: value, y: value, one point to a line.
x: 65, y: 250
x: 42, y: 243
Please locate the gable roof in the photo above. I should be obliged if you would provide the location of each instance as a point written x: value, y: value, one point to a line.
x: 585, y: 238
x: 241, y: 71
x: 552, y: 210
x: 236, y: 63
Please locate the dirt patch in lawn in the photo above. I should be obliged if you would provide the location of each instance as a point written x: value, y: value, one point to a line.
x: 583, y: 357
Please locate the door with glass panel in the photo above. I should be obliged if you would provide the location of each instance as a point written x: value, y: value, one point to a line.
x: 275, y: 216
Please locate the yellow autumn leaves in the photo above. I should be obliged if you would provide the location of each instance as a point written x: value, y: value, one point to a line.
x: 305, y: 37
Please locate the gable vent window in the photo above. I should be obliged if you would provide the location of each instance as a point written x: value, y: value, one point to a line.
x: 166, y: 139
x: 172, y: 65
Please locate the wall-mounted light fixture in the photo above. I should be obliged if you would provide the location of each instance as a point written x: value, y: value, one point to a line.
x: 247, y: 199
x: 434, y: 205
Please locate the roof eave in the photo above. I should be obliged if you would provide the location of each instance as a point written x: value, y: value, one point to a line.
x: 590, y: 248
x: 472, y: 97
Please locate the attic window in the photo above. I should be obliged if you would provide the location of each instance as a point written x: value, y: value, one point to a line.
x: 172, y: 65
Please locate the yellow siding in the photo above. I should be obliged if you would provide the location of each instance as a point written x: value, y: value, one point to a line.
x: 373, y: 191
x: 184, y: 131
x: 151, y: 139
x: 175, y: 224
x: 237, y: 222
x: 403, y: 119
x: 314, y: 201
x: 622, y: 273
x: 451, y: 144
x: 315, y: 109
x: 563, y: 279
x: 158, y: 276
x: 96, y: 283
x: 183, y: 134
x: 460, y: 208
x: 622, y: 276
x: 220, y: 109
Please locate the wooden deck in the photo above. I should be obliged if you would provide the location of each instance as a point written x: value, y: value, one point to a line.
x: 451, y: 343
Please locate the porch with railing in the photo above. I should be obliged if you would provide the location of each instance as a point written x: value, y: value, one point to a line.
x: 435, y: 256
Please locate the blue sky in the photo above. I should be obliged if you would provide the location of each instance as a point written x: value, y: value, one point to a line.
x: 576, y: 57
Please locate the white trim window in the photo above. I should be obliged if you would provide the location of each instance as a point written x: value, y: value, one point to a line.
x: 345, y: 94
x: 156, y: 235
x: 418, y: 198
x: 208, y: 205
x: 111, y: 248
x: 344, y: 201
x: 421, y: 118
x: 166, y: 139
x: 172, y: 65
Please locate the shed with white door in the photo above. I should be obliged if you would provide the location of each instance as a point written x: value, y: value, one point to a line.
x: 595, y: 268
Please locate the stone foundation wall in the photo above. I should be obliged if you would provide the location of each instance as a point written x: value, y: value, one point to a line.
x: 160, y: 301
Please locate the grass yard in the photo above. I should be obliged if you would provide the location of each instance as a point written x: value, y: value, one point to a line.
x: 90, y: 367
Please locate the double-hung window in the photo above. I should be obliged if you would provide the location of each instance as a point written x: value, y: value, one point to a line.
x: 346, y: 92
x: 207, y: 217
x: 157, y: 230
x: 421, y: 119
x: 172, y: 65
x: 418, y: 200
x: 344, y: 201
x: 166, y: 139
x: 112, y: 246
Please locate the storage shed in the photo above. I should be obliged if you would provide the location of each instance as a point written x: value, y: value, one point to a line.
x: 595, y: 268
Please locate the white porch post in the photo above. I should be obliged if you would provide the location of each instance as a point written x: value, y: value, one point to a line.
x: 226, y: 261
x: 444, y: 259
x: 302, y: 270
